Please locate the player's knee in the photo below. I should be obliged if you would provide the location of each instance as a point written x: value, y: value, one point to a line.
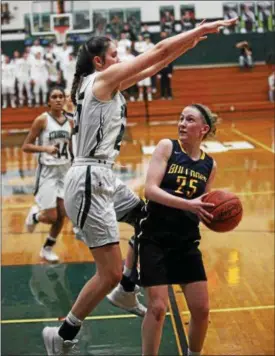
x: 113, y: 277
x: 158, y: 307
x: 200, y: 311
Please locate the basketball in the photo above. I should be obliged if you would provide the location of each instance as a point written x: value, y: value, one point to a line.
x: 227, y: 212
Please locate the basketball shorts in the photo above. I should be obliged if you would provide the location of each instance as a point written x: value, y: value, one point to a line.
x: 161, y: 263
x: 49, y: 185
x: 94, y: 200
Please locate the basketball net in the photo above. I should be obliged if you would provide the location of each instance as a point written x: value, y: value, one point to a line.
x: 61, y: 33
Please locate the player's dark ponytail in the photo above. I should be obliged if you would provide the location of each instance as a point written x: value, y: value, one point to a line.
x: 95, y: 46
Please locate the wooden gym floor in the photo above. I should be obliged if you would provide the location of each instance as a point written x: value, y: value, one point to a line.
x: 239, y: 264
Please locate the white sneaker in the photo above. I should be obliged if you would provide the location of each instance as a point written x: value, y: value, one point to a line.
x: 127, y: 300
x: 48, y: 254
x: 29, y: 222
x: 55, y: 345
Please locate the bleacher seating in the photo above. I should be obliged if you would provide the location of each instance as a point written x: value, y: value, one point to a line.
x: 228, y: 91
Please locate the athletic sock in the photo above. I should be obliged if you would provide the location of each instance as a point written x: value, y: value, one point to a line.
x: 50, y: 242
x: 70, y: 327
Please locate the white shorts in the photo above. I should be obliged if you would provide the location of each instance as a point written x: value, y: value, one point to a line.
x: 94, y: 200
x: 145, y: 82
x: 49, y: 185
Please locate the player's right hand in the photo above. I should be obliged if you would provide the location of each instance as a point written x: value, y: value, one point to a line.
x: 52, y: 150
x: 198, y: 207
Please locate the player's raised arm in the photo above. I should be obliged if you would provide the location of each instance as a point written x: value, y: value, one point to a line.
x: 116, y: 74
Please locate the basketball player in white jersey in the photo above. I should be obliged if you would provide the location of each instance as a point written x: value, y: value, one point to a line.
x: 50, y: 137
x: 90, y: 184
x: 128, y: 209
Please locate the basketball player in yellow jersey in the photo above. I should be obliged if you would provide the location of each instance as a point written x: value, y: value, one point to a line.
x: 50, y: 137
x: 90, y: 184
x: 179, y: 174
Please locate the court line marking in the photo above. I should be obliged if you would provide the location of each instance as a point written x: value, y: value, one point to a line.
x: 249, y: 138
x: 175, y: 329
x: 176, y: 323
x: 129, y: 316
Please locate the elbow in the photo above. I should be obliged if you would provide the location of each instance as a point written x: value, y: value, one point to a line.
x: 25, y: 148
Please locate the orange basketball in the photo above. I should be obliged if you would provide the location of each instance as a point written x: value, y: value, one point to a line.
x: 227, y: 212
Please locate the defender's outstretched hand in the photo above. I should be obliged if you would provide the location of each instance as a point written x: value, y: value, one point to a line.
x: 215, y: 26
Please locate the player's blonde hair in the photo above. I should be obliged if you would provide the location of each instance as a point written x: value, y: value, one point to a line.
x: 210, y: 118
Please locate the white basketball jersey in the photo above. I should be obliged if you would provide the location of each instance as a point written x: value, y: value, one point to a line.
x: 57, y: 135
x: 99, y: 125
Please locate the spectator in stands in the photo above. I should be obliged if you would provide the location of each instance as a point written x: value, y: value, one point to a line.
x: 148, y: 45
x: 115, y: 26
x: 36, y: 47
x: 49, y: 53
x: 134, y: 25
x: 145, y: 31
x: 14, y: 60
x: 245, y: 57
x: 39, y: 78
x: 8, y: 82
x: 147, y: 82
x: 165, y: 76
x: 30, y: 56
x: 23, y: 70
x: 139, y: 45
x: 54, y: 73
x: 122, y: 44
x: 68, y: 71
x: 55, y: 49
x: 16, y: 55
x: 63, y: 54
x: 130, y: 35
x: 271, y: 86
x: 127, y: 57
